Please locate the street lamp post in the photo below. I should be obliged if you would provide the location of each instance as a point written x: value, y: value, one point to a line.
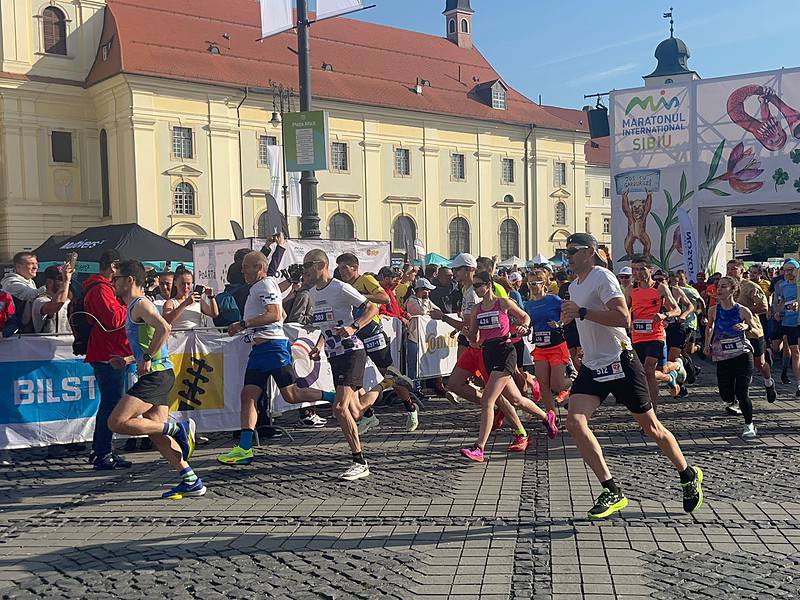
x: 281, y: 104
x: 309, y: 221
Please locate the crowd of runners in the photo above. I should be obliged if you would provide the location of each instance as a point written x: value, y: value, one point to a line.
x: 596, y: 335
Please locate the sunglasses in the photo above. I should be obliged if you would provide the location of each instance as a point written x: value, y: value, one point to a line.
x: 573, y: 250
x: 311, y: 263
x: 624, y: 276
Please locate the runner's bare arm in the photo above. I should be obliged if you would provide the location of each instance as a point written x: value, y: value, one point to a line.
x: 683, y: 300
x: 712, y: 313
x: 616, y: 313
x: 513, y: 309
x: 747, y: 318
x: 671, y: 306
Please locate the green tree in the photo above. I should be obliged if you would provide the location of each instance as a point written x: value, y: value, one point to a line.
x: 774, y: 241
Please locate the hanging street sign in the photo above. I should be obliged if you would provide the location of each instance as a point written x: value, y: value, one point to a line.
x: 306, y: 138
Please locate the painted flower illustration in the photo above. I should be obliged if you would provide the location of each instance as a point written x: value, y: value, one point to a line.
x: 780, y: 177
x: 742, y: 169
x: 677, y: 240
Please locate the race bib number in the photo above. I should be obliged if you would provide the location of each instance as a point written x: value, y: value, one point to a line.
x: 375, y: 342
x: 541, y: 338
x: 324, y: 315
x: 609, y: 373
x: 643, y: 326
x: 489, y: 320
x: 732, y: 344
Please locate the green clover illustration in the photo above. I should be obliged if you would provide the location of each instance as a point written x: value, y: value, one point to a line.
x: 781, y: 177
x: 797, y: 185
x: 795, y: 156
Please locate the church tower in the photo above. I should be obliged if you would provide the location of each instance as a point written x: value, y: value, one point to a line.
x: 458, y: 19
x: 673, y: 57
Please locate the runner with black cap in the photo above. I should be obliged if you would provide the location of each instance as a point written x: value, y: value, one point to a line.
x: 610, y: 366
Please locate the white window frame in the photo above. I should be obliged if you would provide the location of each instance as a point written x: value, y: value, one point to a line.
x: 453, y: 165
x: 263, y: 152
x: 606, y: 190
x: 606, y: 225
x: 499, y: 98
x: 334, y: 167
x: 504, y: 176
x: 555, y: 213
x: 174, y: 212
x: 181, y: 157
x: 398, y: 150
x: 559, y: 167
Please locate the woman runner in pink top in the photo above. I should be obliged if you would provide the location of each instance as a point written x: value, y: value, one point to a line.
x: 491, y: 328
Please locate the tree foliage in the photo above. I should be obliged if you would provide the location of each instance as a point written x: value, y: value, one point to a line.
x: 774, y: 241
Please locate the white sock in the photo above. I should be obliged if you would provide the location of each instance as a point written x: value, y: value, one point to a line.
x: 769, y: 382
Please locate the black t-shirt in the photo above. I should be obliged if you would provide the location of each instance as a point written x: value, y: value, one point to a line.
x: 563, y: 291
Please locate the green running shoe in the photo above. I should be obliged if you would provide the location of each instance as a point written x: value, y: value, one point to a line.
x: 693, y: 491
x: 237, y: 456
x: 607, y: 504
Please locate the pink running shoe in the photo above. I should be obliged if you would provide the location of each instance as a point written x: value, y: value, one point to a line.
x: 550, y: 424
x: 475, y: 454
x: 536, y: 391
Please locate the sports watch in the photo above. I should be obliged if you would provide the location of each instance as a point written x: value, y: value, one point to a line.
x: 146, y: 357
x: 243, y: 324
x: 582, y: 313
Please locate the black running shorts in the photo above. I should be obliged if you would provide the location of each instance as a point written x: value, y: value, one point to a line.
x: 651, y: 349
x: 677, y: 335
x: 500, y: 355
x: 348, y: 369
x: 759, y: 346
x: 154, y: 387
x: 629, y: 389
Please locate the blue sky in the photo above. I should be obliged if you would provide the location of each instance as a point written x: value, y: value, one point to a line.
x: 563, y: 49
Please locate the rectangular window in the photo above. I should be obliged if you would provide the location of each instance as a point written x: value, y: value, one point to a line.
x: 458, y: 168
x: 498, y: 98
x: 339, y: 156
x: 606, y: 189
x: 402, y: 162
x: 587, y: 188
x: 182, y: 146
x: 587, y: 225
x: 264, y: 142
x: 560, y: 174
x: 607, y: 225
x: 508, y: 170
x: 61, y: 145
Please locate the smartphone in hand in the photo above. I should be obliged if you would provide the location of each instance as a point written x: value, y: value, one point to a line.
x: 71, y: 260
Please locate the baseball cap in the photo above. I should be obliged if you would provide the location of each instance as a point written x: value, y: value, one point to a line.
x: 110, y: 256
x: 423, y: 283
x: 626, y: 271
x: 792, y: 263
x: 515, y: 276
x: 54, y: 272
x: 582, y: 239
x: 464, y: 260
x: 388, y: 272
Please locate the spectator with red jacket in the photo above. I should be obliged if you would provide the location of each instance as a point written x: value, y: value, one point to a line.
x: 8, y: 316
x: 389, y: 280
x: 106, y: 340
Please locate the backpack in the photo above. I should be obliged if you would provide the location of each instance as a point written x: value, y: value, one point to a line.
x: 82, y: 322
x: 229, y: 306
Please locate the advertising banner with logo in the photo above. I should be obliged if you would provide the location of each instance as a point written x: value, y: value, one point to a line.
x: 712, y: 148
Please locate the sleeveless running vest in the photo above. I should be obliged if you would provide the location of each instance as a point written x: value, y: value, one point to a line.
x: 493, y: 323
x: 140, y: 335
x: 645, y: 304
x: 726, y: 342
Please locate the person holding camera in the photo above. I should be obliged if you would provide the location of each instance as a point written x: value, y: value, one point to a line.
x: 187, y: 308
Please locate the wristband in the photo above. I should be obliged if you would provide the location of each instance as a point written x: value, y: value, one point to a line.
x: 356, y: 326
x: 146, y: 357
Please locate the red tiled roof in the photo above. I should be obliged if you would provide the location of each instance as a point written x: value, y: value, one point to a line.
x: 598, y: 151
x: 372, y: 64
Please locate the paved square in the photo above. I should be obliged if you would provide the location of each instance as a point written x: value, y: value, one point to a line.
x: 425, y: 524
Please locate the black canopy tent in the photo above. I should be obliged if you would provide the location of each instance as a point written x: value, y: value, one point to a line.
x: 130, y: 239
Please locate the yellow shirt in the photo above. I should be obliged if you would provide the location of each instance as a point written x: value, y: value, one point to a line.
x: 368, y: 285
x: 553, y: 287
x: 500, y: 291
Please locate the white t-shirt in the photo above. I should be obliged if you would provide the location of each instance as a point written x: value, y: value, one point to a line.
x: 601, y: 344
x: 61, y: 318
x: 191, y: 317
x: 332, y: 307
x: 468, y: 301
x: 262, y: 294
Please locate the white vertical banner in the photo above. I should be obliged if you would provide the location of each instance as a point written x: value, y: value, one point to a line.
x: 689, y: 245
x: 333, y: 8
x: 295, y: 201
x: 275, y: 163
x: 276, y: 17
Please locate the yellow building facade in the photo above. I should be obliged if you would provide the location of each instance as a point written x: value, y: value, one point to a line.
x: 83, y: 145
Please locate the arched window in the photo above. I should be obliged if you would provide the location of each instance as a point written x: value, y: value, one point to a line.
x: 464, y: 26
x: 54, y: 27
x: 561, y: 214
x: 341, y: 227
x: 508, y: 198
x: 458, y: 232
x: 404, y: 233
x: 452, y: 26
x: 509, y: 239
x: 183, y: 199
x: 104, y: 187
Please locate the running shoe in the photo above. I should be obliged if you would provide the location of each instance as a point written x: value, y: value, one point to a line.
x: 110, y: 462
x: 550, y: 425
x: 693, y: 491
x: 451, y: 397
x: 185, y: 437
x: 475, y: 453
x: 400, y: 379
x: 683, y: 393
x: 520, y: 444
x: 785, y: 377
x: 750, y: 432
x: 733, y: 409
x: 797, y: 393
x: 367, y: 423
x: 412, y: 419
x: 237, y: 456
x: 562, y: 397
x: 312, y: 421
x: 499, y: 419
x: 607, y: 504
x: 356, y: 471
x: 681, y: 371
x: 674, y: 388
x: 185, y: 490
x: 771, y: 395
x: 536, y: 391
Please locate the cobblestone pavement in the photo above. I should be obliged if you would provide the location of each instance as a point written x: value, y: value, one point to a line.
x: 425, y: 524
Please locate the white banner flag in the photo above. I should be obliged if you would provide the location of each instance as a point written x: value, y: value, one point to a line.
x: 276, y: 17
x: 333, y: 8
x: 275, y: 163
x: 691, y: 249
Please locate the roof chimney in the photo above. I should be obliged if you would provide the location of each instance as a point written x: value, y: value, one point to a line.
x: 458, y: 19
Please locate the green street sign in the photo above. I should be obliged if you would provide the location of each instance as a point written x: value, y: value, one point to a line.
x: 305, y: 137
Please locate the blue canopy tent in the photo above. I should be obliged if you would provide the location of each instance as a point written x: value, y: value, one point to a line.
x: 434, y: 259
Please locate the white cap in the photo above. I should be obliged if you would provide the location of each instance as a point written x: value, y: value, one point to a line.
x: 464, y: 260
x: 625, y: 271
x: 515, y: 276
x: 421, y: 283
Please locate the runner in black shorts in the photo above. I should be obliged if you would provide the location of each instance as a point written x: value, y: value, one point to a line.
x: 599, y: 307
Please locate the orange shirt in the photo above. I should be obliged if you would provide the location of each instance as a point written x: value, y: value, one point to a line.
x: 645, y: 303
x: 711, y: 294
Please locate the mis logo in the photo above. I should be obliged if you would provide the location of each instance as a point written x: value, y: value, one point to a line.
x: 652, y: 104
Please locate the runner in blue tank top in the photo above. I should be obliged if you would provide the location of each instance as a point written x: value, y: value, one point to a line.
x: 144, y: 409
